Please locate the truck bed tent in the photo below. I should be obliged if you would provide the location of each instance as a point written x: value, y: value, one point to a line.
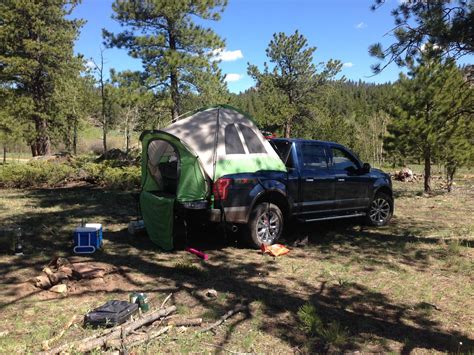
x: 180, y: 162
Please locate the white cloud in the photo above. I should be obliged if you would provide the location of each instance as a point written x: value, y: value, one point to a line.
x: 232, y: 77
x: 348, y: 65
x: 361, y: 25
x: 227, y: 56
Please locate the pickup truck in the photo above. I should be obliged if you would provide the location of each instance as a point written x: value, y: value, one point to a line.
x: 324, y: 181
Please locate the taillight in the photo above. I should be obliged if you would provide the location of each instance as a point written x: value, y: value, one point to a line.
x: 221, y: 188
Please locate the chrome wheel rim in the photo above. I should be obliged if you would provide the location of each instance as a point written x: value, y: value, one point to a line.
x: 268, y: 227
x: 379, y: 210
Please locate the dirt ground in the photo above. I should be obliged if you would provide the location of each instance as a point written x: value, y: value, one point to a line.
x: 401, y: 288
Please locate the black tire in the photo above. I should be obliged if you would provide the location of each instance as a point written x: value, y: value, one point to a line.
x: 380, y: 210
x: 265, y: 225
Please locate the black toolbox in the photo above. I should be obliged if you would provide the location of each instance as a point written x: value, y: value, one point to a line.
x: 111, y: 314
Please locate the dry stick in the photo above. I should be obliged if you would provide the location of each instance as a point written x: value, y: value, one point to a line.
x: 91, y: 343
x: 46, y: 343
x: 237, y: 309
x: 135, y: 340
x: 184, y: 322
x: 166, y: 300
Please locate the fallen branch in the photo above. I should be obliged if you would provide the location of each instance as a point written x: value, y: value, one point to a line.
x: 194, y: 322
x: 91, y: 343
x: 134, y: 340
x: 46, y: 343
x: 237, y: 309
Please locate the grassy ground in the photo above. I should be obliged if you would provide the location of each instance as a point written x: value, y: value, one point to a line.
x: 405, y: 287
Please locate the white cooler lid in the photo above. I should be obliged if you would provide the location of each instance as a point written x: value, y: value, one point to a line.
x: 97, y: 226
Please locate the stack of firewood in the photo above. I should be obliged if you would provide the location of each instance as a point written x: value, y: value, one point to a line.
x: 405, y: 175
x: 56, y: 275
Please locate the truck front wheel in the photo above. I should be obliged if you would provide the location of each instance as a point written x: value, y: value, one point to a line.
x: 265, y: 225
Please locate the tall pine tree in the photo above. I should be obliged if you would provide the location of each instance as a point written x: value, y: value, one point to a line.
x: 433, y: 100
x: 36, y: 47
x: 172, y: 47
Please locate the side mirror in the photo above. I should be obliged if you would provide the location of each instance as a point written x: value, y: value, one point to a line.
x: 366, y: 168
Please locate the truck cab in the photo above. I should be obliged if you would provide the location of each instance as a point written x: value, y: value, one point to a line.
x: 324, y: 180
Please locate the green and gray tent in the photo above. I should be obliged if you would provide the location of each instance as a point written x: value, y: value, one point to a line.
x: 180, y: 162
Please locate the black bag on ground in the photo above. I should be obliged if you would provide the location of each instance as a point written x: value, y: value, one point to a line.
x: 111, y: 314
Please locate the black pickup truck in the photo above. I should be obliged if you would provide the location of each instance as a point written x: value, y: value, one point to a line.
x: 324, y: 181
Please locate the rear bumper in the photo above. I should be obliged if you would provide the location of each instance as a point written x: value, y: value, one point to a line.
x: 232, y: 214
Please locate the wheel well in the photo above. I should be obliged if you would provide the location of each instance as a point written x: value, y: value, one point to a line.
x: 277, y: 199
x: 385, y: 190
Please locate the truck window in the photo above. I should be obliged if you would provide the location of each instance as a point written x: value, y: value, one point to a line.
x: 233, y: 145
x: 342, y: 160
x: 283, y: 149
x: 313, y: 156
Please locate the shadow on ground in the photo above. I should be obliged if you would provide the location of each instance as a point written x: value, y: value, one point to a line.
x: 239, y: 273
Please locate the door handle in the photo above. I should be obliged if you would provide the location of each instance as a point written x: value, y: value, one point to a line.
x: 309, y: 179
x: 341, y: 179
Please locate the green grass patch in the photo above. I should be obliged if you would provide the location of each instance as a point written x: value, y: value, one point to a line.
x: 330, y: 333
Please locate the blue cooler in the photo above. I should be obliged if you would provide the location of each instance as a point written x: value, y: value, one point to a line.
x: 88, y: 239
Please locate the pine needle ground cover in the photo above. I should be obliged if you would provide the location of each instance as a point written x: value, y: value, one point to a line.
x: 405, y: 287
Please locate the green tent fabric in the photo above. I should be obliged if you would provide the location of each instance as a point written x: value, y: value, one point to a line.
x: 192, y: 185
x: 157, y: 205
x: 158, y: 218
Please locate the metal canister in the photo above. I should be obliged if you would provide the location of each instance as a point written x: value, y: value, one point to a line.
x: 133, y: 297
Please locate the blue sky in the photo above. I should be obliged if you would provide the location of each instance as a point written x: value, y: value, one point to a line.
x: 340, y: 29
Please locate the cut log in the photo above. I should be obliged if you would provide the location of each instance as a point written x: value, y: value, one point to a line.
x: 61, y: 288
x: 92, y: 343
x: 67, y: 270
x: 57, y: 277
x: 42, y: 281
x: 84, y: 271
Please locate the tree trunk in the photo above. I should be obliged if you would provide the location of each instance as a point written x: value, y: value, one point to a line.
x: 42, y: 144
x: 174, y: 96
x: 74, y: 137
x: 450, y: 171
x: 127, y: 145
x: 4, y: 153
x: 104, y: 139
x: 288, y: 128
x: 427, y: 158
x: 173, y: 76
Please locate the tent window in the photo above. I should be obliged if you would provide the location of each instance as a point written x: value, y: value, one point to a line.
x: 254, y: 144
x: 163, y: 164
x: 233, y: 145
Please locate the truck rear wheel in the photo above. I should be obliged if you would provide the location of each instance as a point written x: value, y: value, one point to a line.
x: 265, y: 225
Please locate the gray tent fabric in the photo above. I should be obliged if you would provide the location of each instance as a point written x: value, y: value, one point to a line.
x: 225, y: 141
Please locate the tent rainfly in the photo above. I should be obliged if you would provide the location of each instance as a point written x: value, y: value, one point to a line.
x: 180, y: 162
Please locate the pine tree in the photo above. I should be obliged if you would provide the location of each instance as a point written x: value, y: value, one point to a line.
x: 446, y: 25
x: 36, y: 45
x: 432, y: 101
x: 288, y: 87
x: 172, y: 47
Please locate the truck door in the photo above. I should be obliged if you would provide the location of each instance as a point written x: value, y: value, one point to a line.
x: 317, y: 180
x: 351, y: 186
